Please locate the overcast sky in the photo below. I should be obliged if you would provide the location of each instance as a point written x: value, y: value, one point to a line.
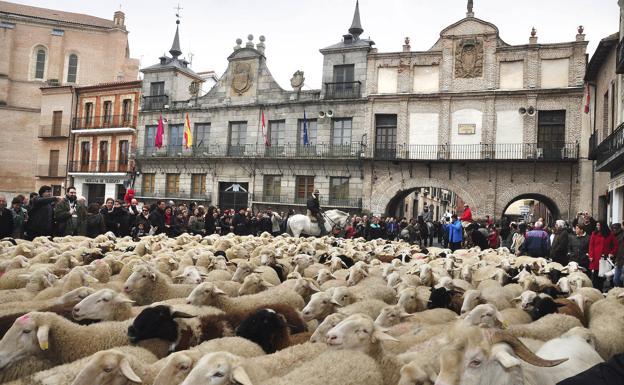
x: 295, y: 30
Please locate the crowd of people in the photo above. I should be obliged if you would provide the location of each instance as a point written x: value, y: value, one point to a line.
x: 595, y: 246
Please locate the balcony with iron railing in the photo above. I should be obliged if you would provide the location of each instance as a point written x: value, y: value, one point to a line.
x: 197, y: 195
x: 343, y: 90
x: 154, y: 102
x: 104, y: 122
x: 99, y: 166
x: 53, y: 131
x: 326, y: 202
x: 352, y: 150
x: 51, y: 170
x: 619, y: 64
x: 478, y: 152
x: 609, y: 153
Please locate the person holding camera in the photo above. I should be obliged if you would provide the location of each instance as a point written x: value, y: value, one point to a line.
x: 602, y: 244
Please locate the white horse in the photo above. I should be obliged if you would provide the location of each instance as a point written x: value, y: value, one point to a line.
x: 300, y: 224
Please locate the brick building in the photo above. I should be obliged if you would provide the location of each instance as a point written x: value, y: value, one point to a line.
x: 42, y: 48
x: 489, y: 121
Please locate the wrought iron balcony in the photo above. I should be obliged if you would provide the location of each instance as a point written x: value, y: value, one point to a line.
x: 97, y: 166
x: 352, y: 150
x: 199, y: 196
x: 104, y: 121
x: 343, y: 90
x: 51, y: 170
x: 610, y: 152
x: 155, y: 102
x: 53, y: 131
x: 619, y: 64
x: 326, y: 202
x: 446, y: 152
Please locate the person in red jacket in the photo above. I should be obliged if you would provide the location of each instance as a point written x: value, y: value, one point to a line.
x: 467, y: 215
x: 601, y: 244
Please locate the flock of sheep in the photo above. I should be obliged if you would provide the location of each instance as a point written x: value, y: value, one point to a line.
x: 243, y: 310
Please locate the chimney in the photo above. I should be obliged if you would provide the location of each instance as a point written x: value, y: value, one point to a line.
x: 119, y: 18
x: 580, y: 36
x: 533, y: 38
x: 406, y: 46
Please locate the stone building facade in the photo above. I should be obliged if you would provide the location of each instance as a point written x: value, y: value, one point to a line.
x: 474, y: 115
x: 42, y: 48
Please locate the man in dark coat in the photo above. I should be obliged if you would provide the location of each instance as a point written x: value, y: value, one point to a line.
x: 559, y: 247
x: 41, y: 213
x: 314, y: 206
x: 157, y: 217
x: 70, y: 214
x: 6, y: 219
x: 605, y: 373
x: 578, y: 246
x: 240, y: 223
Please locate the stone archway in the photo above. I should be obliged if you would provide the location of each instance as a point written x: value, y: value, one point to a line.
x: 555, y: 200
x: 386, y: 189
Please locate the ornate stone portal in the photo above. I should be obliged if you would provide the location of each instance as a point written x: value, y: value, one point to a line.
x: 242, y: 78
x: 469, y: 58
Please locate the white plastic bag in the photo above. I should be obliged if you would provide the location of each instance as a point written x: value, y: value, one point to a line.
x: 605, y: 266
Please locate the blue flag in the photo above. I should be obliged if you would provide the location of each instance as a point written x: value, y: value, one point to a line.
x: 305, y: 130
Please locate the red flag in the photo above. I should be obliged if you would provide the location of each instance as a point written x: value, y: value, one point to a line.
x: 588, y: 98
x: 266, y: 140
x: 188, y: 135
x: 160, y: 131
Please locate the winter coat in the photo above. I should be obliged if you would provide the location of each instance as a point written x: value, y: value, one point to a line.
x: 605, y: 373
x: 157, y: 219
x: 578, y: 247
x: 536, y: 243
x: 20, y: 217
x: 67, y: 223
x: 196, y: 225
x: 456, y: 231
x: 239, y: 222
x: 619, y: 255
x: 599, y: 246
x: 6, y: 223
x: 559, y: 247
x: 276, y: 222
x: 95, y: 225
x: 40, y: 216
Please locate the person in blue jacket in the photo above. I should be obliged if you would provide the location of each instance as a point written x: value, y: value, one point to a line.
x: 455, y: 233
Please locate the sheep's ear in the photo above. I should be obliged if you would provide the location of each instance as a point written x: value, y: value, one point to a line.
x: 179, y: 314
x: 257, y: 271
x: 506, y: 359
x: 240, y: 376
x: 42, y: 336
x: 516, y: 300
x: 123, y: 299
x: 127, y: 371
x: 266, y: 284
x: 152, y: 276
x: 365, y: 272
x: 405, y: 314
x: 216, y: 290
x: 334, y: 302
x: 381, y: 335
x: 24, y: 276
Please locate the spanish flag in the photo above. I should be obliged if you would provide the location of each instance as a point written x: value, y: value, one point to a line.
x: 188, y: 135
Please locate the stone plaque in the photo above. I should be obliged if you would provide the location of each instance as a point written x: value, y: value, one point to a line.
x: 469, y: 58
x: 241, y: 77
x: 466, y: 129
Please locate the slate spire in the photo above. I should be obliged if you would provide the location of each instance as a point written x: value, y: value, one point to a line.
x: 356, y: 26
x: 175, y: 47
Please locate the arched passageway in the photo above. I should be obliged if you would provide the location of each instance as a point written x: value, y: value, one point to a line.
x: 530, y: 207
x: 410, y: 203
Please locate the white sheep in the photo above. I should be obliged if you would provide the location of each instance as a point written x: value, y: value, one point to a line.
x: 104, y: 305
x: 208, y: 294
x: 146, y: 285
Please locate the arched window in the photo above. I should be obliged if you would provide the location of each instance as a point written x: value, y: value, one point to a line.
x: 40, y: 63
x: 72, y: 68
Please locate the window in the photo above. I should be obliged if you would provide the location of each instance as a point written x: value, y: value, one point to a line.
x: 57, y: 32
x: 127, y: 110
x: 202, y: 134
x: 198, y: 185
x: 57, y: 119
x: 312, y: 132
x: 385, y: 136
x: 238, y: 138
x: 85, y: 156
x: 88, y: 114
x: 344, y: 85
x: 344, y: 73
x: 272, y: 187
x: 338, y: 190
x: 7, y: 25
x: 277, y: 130
x: 54, y: 163
x: 341, y: 137
x: 172, y: 185
x: 150, y: 139
x: 108, y: 113
x: 551, y: 134
x: 124, y: 149
x: 148, y: 183
x: 304, y: 188
x: 40, y: 63
x: 605, y: 115
x: 103, y: 159
x: 56, y: 190
x: 176, y: 135
x: 157, y: 88
x: 72, y: 68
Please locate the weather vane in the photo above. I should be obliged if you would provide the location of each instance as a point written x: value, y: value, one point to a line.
x: 178, y: 8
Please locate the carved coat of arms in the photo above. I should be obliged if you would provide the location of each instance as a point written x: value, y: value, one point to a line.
x: 469, y: 59
x: 297, y: 80
x: 241, y: 78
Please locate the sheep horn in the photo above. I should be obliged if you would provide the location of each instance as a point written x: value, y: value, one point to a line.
x: 521, y: 350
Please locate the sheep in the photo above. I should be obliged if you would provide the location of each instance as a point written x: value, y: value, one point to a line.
x: 245, y: 268
x: 268, y: 328
x: 177, y: 366
x: 146, y: 285
x: 348, y: 295
x: 321, y: 305
x: 104, y: 305
x: 57, y: 340
x: 546, y: 328
x: 359, y: 332
x: 490, y: 294
x: 605, y: 319
x: 329, y: 322
x: 160, y: 322
x: 414, y: 299
x: 543, y: 306
x: 252, y: 284
x: 209, y: 294
x: 305, y: 287
x: 36, y: 281
x: 189, y: 275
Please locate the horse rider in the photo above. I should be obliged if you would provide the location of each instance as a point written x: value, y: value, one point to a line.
x: 314, y: 210
x: 427, y: 214
x: 466, y: 217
